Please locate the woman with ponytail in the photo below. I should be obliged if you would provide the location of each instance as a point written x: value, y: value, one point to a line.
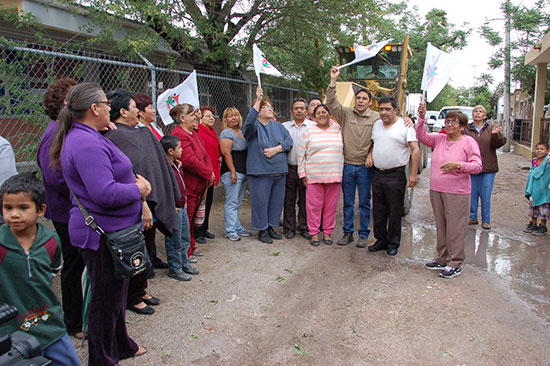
x: 101, y: 176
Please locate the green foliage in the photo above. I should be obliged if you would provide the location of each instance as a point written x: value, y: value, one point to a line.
x: 442, y: 34
x: 475, y: 95
x: 490, y: 35
x: 528, y: 25
x: 298, y: 36
x: 447, y: 96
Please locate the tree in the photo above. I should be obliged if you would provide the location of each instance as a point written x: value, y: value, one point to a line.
x: 296, y: 35
x: 475, y: 95
x: 447, y: 96
x: 435, y: 29
x: 529, y: 25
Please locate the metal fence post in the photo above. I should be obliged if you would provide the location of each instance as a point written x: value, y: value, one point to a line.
x: 153, y: 80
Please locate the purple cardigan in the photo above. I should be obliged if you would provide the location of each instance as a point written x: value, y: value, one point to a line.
x: 57, y: 193
x: 101, y: 176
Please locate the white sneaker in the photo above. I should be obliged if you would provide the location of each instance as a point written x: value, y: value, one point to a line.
x: 232, y: 237
x: 450, y: 272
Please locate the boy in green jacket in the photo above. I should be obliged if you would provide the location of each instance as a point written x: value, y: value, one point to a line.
x: 30, y: 255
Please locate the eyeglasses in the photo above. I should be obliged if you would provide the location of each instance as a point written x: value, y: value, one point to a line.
x: 108, y: 102
x: 267, y: 106
x: 452, y: 122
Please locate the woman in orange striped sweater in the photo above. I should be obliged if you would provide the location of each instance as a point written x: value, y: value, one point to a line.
x: 321, y: 161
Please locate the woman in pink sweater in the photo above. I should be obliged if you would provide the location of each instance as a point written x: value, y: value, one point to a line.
x: 455, y: 156
x: 320, y: 165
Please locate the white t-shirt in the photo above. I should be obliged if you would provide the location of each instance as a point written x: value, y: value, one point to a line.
x: 296, y: 133
x: 391, y: 145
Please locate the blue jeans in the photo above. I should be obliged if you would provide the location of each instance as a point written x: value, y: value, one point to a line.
x: 62, y: 352
x: 356, y: 177
x: 482, y: 187
x: 234, y: 194
x: 178, y: 244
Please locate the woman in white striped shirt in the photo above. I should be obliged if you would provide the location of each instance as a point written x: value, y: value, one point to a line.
x: 321, y: 161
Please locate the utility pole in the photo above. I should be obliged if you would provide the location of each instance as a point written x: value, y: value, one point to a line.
x: 507, y: 122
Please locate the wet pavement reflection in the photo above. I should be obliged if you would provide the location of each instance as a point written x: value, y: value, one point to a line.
x: 525, y: 266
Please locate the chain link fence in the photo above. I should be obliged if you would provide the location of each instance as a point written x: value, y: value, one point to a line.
x: 26, y: 72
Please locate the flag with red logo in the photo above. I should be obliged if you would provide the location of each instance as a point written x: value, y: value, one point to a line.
x: 261, y: 65
x: 186, y: 92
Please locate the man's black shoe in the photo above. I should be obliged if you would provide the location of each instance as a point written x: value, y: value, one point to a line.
x: 180, y: 276
x: 346, y: 239
x: 392, y: 251
x: 379, y: 245
x: 305, y: 234
x: 190, y: 270
x: 200, y: 239
x: 273, y: 234
x: 289, y: 234
x: 264, y: 237
x: 209, y: 235
x: 161, y: 265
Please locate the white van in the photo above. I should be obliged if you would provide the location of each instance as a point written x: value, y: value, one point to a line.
x: 431, y: 117
x: 440, y: 123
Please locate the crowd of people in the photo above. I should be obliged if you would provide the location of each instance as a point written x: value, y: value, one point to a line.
x: 105, y: 152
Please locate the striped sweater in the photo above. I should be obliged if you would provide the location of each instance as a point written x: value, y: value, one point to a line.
x: 321, y: 154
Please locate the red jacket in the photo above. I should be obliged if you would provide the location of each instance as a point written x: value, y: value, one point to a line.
x: 212, y: 145
x: 196, y: 164
x: 179, y: 173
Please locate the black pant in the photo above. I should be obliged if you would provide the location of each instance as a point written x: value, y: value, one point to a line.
x: 200, y: 231
x: 294, y: 188
x: 71, y: 275
x: 138, y: 283
x: 388, y: 193
x: 108, y: 340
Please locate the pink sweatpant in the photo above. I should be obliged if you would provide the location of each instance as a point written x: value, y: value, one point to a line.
x: 322, y: 201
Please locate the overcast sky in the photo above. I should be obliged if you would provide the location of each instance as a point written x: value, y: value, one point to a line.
x: 472, y: 60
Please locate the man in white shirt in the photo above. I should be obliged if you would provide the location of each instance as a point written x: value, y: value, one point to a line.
x: 393, y: 144
x: 294, y: 186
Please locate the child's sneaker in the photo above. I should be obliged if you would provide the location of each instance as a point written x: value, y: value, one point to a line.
x: 450, y: 272
x: 434, y: 265
x: 542, y: 230
x: 531, y: 227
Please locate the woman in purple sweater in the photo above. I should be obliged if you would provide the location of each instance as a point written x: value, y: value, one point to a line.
x: 101, y: 176
x: 455, y: 156
x: 58, y: 205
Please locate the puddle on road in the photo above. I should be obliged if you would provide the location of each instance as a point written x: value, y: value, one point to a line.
x: 526, y: 266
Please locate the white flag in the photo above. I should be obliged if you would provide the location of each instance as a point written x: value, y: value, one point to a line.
x: 437, y: 72
x: 366, y: 52
x: 186, y: 92
x: 261, y: 65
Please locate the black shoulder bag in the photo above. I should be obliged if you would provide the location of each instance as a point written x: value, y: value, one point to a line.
x: 127, y: 246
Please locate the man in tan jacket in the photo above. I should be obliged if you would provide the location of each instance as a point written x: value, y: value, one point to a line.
x: 356, y: 126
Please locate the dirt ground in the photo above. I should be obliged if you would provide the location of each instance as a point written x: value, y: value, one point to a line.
x: 293, y: 304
